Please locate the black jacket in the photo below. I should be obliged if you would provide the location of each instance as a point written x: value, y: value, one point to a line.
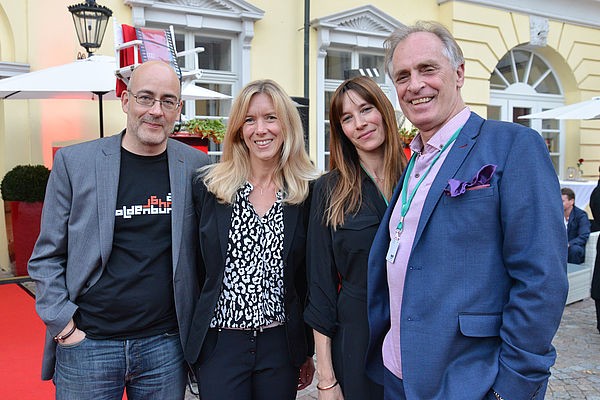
x: 214, y: 220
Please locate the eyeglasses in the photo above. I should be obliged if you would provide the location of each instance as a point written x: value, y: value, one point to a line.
x: 148, y: 101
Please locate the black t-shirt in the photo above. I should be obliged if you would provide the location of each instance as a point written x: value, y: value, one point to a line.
x: 134, y: 296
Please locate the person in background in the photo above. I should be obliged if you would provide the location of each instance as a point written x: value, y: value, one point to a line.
x: 347, y: 206
x: 115, y: 262
x: 595, y: 208
x: 248, y: 339
x: 595, y: 205
x: 577, y: 225
x: 467, y: 273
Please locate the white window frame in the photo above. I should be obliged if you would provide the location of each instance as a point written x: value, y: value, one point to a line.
x: 362, y: 30
x: 521, y: 94
x: 229, y: 19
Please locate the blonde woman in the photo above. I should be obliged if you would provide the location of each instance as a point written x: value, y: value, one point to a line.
x: 248, y: 338
x: 347, y: 206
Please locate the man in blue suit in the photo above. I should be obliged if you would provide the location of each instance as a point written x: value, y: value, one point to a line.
x: 467, y: 273
x: 578, y: 227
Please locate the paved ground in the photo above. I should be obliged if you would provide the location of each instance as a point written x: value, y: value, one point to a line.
x: 576, y: 374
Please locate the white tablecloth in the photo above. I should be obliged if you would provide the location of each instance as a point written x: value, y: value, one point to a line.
x: 582, y: 189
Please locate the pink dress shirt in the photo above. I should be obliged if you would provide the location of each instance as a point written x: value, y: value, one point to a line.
x: 396, y: 271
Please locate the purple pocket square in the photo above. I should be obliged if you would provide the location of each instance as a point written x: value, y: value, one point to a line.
x: 480, y: 180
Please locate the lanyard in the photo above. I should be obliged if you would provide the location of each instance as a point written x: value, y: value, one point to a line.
x: 406, y: 202
x: 380, y: 192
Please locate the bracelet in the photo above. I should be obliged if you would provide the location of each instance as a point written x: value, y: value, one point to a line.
x: 65, y: 336
x: 498, y: 397
x: 328, y: 387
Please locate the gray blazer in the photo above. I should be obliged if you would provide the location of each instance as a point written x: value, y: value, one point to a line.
x: 77, y: 227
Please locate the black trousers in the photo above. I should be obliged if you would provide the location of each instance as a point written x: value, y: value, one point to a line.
x: 246, y: 365
x: 597, y: 314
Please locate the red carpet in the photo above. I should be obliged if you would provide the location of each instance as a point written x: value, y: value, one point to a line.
x: 21, y: 345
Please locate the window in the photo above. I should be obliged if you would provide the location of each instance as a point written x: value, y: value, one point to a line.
x: 339, y: 64
x: 347, y: 42
x: 522, y: 66
x: 224, y: 28
x: 523, y: 83
x: 217, y: 53
x: 336, y: 63
x: 215, y: 63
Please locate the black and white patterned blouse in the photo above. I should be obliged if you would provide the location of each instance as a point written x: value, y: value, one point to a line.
x: 252, y: 291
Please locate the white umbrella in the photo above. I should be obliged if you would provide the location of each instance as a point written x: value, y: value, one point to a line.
x: 589, y: 109
x: 82, y: 79
x: 90, y: 78
x: 190, y: 91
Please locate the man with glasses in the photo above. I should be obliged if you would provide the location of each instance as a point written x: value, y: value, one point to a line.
x: 114, y: 264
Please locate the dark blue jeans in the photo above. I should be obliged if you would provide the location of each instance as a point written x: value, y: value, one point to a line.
x: 150, y: 368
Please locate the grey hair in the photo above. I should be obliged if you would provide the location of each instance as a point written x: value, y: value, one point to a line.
x: 451, y: 48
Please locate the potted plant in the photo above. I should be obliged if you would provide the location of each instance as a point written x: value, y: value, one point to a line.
x: 198, y: 131
x: 23, y: 189
x: 407, y: 134
x: 211, y: 129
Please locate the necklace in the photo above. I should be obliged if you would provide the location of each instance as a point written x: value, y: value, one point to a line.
x: 372, y: 175
x: 261, y: 188
x: 377, y: 181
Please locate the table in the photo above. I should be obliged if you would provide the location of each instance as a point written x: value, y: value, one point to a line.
x: 582, y: 189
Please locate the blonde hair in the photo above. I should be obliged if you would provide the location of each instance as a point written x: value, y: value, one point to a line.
x: 346, y: 196
x: 294, y: 170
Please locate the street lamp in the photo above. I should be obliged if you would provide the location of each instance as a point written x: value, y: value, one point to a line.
x: 90, y: 21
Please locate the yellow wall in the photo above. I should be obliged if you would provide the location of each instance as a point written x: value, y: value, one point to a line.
x: 31, y: 127
x: 277, y: 47
x: 41, y: 34
x: 487, y: 34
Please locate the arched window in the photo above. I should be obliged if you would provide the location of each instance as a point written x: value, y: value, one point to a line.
x: 522, y: 67
x: 524, y: 83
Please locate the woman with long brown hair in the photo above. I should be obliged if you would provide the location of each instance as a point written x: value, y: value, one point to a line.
x: 347, y: 206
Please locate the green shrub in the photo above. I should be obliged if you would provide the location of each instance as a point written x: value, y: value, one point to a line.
x: 25, y: 183
x: 212, y: 129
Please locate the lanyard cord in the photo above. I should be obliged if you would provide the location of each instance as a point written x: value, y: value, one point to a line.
x: 407, y: 202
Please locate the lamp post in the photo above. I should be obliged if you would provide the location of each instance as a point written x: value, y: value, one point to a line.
x: 90, y: 21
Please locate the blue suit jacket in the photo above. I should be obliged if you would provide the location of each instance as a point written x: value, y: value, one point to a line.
x: 486, y: 282
x: 578, y: 232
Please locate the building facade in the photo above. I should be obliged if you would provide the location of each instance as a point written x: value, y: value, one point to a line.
x: 521, y: 57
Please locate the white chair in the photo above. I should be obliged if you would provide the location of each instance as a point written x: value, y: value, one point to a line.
x: 580, y: 275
